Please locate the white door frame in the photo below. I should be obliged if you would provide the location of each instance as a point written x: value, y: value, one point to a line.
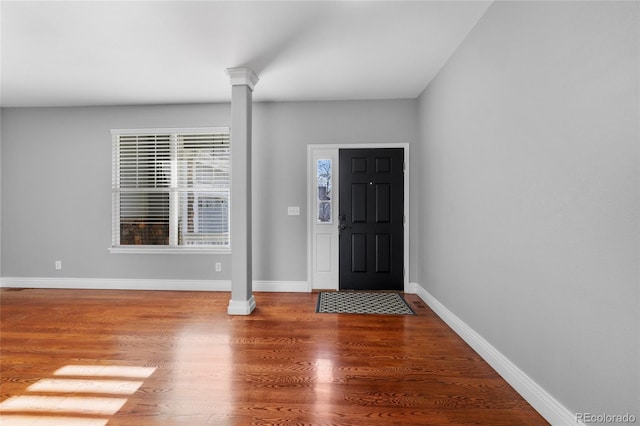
x: 312, y: 151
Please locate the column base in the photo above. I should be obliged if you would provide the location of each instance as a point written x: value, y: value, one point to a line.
x: 241, y: 307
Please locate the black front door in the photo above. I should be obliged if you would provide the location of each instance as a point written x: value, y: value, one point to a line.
x: 371, y: 191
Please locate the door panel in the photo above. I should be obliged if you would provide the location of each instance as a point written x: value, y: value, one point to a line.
x: 383, y: 253
x: 383, y: 203
x: 324, y: 244
x: 323, y: 259
x: 359, y: 202
x: 371, y: 240
x: 358, y: 165
x: 358, y: 253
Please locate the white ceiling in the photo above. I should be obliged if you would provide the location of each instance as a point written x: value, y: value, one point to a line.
x: 67, y: 53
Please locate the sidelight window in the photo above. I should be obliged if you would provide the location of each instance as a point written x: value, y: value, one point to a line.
x: 325, y: 188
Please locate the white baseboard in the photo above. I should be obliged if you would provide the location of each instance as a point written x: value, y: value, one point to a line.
x: 550, y: 408
x: 148, y: 284
x: 411, y: 288
x: 281, y: 286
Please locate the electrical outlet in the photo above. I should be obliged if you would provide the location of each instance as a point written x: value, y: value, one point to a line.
x: 218, y: 267
x: 58, y: 264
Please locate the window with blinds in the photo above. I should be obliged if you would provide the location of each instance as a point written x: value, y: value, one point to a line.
x: 171, y: 188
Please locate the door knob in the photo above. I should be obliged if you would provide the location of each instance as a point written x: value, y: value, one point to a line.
x: 343, y: 227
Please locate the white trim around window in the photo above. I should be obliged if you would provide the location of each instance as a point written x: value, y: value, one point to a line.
x: 171, y: 190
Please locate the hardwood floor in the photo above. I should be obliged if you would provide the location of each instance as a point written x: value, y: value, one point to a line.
x: 284, y: 364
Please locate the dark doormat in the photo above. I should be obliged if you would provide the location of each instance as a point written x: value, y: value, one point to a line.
x: 356, y: 302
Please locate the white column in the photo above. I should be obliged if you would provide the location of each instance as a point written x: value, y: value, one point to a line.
x: 242, y: 83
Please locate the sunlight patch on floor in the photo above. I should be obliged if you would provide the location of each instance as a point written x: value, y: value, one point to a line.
x: 45, y: 410
x: 118, y: 387
x: 19, y: 420
x: 105, y: 371
x: 63, y: 404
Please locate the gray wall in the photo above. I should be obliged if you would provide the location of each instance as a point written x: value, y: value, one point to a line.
x: 0, y: 192
x: 58, y: 161
x: 281, y: 134
x: 530, y: 194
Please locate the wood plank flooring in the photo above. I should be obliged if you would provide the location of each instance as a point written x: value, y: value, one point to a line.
x: 284, y: 364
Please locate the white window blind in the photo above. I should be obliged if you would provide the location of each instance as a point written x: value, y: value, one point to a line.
x: 171, y: 188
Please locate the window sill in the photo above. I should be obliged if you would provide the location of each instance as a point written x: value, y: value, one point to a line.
x: 150, y: 250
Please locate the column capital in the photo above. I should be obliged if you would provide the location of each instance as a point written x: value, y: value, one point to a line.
x: 242, y: 76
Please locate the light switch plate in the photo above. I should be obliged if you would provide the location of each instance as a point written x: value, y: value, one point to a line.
x: 293, y: 211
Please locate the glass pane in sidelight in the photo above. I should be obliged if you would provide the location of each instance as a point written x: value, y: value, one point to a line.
x: 324, y: 190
